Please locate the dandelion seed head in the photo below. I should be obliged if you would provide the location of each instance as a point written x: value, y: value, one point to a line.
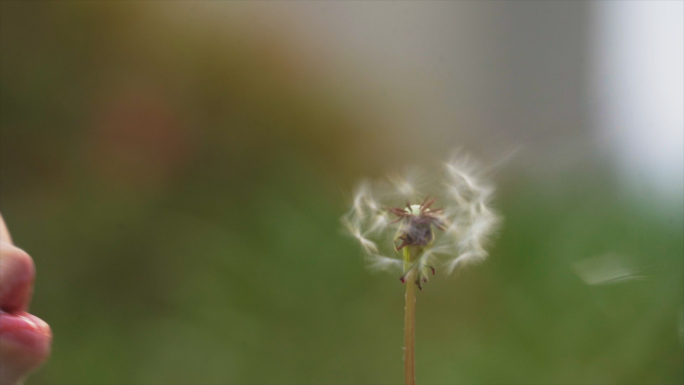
x: 451, y: 226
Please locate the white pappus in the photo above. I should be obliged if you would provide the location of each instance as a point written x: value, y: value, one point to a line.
x: 445, y: 219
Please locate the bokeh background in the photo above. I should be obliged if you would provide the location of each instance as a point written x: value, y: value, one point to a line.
x: 178, y: 170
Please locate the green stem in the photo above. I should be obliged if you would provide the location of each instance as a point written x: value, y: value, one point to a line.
x: 409, y: 318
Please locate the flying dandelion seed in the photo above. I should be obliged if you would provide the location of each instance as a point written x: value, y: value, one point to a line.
x: 446, y: 222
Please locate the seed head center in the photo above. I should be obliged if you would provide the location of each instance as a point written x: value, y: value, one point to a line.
x: 413, y: 209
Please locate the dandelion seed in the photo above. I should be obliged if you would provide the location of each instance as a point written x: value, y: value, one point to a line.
x: 380, y: 222
x: 463, y: 259
x: 380, y: 262
x: 355, y: 230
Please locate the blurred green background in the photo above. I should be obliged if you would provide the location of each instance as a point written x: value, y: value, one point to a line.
x: 178, y: 170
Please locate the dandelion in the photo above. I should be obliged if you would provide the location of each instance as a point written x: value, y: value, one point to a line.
x: 420, y: 226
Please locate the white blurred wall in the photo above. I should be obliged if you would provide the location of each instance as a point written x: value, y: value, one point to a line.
x: 638, y: 85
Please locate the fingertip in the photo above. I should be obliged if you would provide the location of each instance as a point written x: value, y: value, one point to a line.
x: 17, y: 273
x: 4, y: 232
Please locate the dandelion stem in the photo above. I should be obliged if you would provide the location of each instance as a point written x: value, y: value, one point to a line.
x: 409, y: 318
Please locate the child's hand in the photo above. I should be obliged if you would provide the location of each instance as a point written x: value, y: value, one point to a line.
x: 24, y: 339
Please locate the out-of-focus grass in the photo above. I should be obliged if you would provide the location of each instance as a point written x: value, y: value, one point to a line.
x: 180, y: 192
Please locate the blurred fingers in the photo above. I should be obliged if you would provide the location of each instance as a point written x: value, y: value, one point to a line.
x: 24, y: 338
x: 17, y: 273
